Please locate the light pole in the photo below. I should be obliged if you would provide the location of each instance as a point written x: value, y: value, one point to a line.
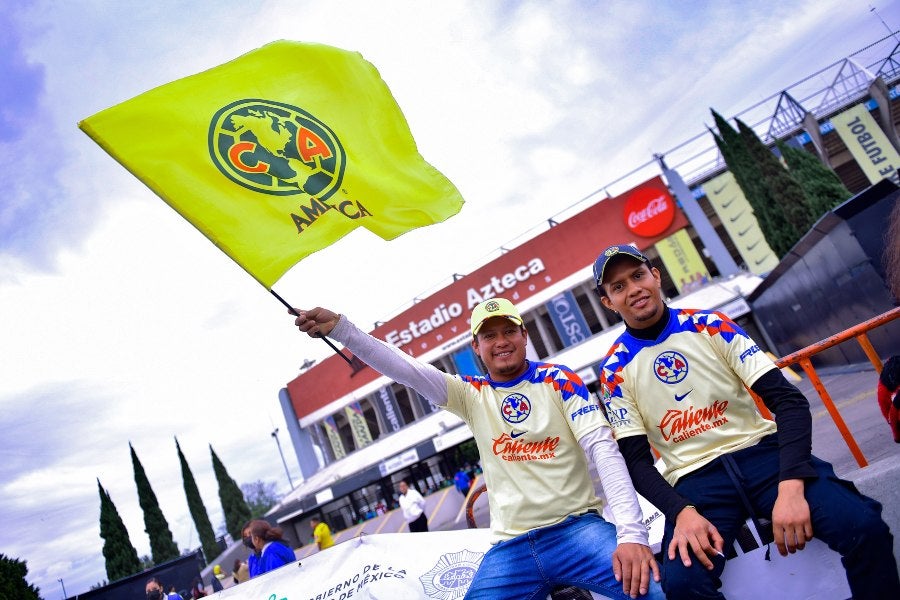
x: 63, y: 588
x: 280, y: 453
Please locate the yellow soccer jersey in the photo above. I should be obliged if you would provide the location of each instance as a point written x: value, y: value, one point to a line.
x: 527, y: 431
x: 685, y: 390
x: 322, y: 535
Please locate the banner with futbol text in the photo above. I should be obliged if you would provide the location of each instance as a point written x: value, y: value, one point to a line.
x: 868, y: 144
x: 279, y: 153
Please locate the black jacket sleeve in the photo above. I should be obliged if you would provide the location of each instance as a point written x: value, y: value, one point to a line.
x: 649, y: 482
x: 791, y: 409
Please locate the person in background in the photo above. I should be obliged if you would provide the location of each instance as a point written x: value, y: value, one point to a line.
x: 321, y: 533
x: 216, y: 581
x: 253, y: 558
x: 888, y: 393
x: 677, y: 379
x: 413, y: 506
x: 155, y: 591
x: 240, y: 571
x: 267, y: 541
x: 462, y: 481
x: 197, y: 589
x: 536, y: 428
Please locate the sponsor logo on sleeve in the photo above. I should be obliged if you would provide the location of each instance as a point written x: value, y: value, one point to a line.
x: 749, y: 352
x: 587, y: 408
x: 617, y: 417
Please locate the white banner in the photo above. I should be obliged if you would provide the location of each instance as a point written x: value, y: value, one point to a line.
x: 389, y: 566
x: 440, y: 565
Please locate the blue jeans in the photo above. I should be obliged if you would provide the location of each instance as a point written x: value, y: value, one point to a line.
x: 843, y: 518
x: 576, y: 552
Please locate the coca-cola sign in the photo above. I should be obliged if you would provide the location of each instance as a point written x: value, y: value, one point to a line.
x: 649, y: 211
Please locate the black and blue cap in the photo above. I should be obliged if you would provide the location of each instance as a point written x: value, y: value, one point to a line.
x: 612, y: 252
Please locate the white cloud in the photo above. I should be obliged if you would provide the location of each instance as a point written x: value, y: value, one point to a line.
x: 119, y: 323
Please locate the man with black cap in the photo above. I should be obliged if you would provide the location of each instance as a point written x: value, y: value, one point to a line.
x: 535, y: 425
x: 677, y: 379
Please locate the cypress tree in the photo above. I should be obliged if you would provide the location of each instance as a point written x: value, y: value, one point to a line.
x: 746, y: 171
x: 233, y: 503
x: 197, y: 509
x: 162, y: 544
x: 12, y: 580
x: 785, y: 190
x: 121, y: 557
x: 824, y: 189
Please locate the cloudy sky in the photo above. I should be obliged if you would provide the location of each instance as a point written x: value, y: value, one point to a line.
x: 119, y: 322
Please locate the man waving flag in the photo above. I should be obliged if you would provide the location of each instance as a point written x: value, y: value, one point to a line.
x: 279, y: 153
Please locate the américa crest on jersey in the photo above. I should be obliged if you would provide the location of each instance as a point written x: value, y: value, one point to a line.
x: 282, y: 150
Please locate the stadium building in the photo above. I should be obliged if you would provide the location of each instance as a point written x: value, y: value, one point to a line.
x: 356, y: 433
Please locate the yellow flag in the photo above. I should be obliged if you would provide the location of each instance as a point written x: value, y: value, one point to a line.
x: 279, y: 153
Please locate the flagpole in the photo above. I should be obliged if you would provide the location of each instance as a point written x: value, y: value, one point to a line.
x: 327, y: 341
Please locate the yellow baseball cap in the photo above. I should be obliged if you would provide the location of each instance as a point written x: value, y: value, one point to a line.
x: 495, y: 307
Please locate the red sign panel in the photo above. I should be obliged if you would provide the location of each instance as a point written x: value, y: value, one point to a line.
x: 517, y: 275
x: 648, y: 211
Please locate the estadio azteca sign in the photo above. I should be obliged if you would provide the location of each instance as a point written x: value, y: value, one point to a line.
x: 643, y: 216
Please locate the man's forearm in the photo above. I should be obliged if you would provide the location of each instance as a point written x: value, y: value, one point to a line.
x: 617, y: 488
x: 794, y: 424
x: 649, y: 482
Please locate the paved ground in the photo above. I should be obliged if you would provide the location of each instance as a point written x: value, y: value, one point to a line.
x: 853, y: 392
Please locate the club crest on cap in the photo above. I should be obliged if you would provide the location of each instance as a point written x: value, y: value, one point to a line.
x: 495, y: 307
x: 611, y: 251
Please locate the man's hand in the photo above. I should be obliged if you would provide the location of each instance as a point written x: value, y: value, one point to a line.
x: 791, y: 521
x: 693, y: 533
x: 632, y: 565
x: 316, y: 322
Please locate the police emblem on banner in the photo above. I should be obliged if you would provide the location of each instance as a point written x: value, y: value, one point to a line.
x: 451, y: 577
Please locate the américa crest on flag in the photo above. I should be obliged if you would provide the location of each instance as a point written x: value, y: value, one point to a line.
x: 279, y: 153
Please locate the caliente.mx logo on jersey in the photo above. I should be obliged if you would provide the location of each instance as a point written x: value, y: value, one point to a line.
x: 670, y: 367
x: 515, y: 408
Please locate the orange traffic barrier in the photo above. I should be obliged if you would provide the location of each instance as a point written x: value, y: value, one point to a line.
x: 470, y: 504
x: 802, y: 357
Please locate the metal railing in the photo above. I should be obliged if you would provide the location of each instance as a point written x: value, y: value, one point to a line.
x: 803, y: 358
